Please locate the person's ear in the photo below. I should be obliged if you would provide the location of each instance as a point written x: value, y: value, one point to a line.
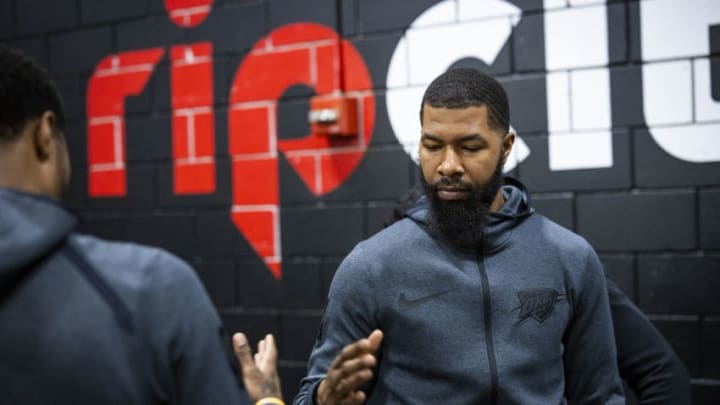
x: 43, y: 136
x: 508, y: 142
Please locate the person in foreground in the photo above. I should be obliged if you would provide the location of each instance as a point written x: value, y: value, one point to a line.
x: 86, y: 321
x: 479, y: 298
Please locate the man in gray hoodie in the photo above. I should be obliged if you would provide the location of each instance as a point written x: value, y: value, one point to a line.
x: 479, y: 298
x: 86, y: 321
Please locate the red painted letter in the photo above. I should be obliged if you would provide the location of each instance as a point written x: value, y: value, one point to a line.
x: 115, y: 78
x: 188, y: 13
x: 302, y: 53
x: 193, y: 118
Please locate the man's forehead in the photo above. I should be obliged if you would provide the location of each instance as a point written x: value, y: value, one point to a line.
x: 455, y: 113
x: 475, y: 116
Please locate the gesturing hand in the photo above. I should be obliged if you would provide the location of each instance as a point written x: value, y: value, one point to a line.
x: 259, y: 375
x: 350, y: 369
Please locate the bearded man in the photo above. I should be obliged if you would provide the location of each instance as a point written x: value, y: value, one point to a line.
x: 474, y: 298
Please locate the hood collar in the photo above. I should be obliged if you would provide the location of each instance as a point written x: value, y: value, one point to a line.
x: 30, y: 226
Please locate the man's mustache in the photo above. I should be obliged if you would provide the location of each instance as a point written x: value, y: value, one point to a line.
x: 451, y: 182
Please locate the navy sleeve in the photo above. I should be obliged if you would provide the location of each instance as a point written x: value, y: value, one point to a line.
x: 185, y: 332
x: 349, y: 316
x: 646, y: 361
x: 591, y: 374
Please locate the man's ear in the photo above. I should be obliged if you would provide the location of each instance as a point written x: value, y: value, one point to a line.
x: 43, y: 136
x: 508, y: 142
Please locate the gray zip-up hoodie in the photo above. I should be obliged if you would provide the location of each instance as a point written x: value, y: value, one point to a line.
x: 524, y: 321
x: 85, y: 321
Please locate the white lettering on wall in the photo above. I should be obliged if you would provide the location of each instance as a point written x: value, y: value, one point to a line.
x: 679, y: 110
x: 578, y: 87
x: 444, y: 34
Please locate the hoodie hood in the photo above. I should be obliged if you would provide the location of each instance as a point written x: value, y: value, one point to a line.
x: 499, y: 224
x: 30, y: 226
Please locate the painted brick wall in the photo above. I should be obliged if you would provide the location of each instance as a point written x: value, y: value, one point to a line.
x: 189, y: 132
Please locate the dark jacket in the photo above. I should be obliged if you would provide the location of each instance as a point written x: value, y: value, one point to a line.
x: 647, y: 362
x: 85, y: 321
x: 525, y: 320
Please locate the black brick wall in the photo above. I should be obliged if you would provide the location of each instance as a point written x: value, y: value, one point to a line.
x: 654, y: 219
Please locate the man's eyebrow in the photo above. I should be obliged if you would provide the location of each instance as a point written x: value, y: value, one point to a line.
x: 464, y: 138
x: 471, y: 137
x: 431, y: 137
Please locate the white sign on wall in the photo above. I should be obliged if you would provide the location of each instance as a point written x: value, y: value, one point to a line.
x: 682, y: 117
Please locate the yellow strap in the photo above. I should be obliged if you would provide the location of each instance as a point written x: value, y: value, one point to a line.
x: 270, y: 401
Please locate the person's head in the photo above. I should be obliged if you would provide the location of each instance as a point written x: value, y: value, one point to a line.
x: 33, y: 153
x: 465, y: 141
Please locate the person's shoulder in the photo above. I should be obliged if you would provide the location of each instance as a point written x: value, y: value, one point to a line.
x: 573, y: 251
x: 388, y: 242
x: 556, y: 234
x: 131, y: 264
x: 371, y: 258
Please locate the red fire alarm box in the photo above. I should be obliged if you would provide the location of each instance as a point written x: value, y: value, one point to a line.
x: 333, y: 115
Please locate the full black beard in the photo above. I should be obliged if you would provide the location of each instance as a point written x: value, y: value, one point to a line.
x: 462, y: 222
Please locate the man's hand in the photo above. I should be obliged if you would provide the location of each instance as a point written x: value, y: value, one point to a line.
x: 259, y: 375
x: 350, y: 369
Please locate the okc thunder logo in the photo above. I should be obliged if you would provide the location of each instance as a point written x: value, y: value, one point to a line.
x: 537, y: 303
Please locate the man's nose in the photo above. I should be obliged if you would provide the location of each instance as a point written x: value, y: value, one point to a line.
x: 451, y: 164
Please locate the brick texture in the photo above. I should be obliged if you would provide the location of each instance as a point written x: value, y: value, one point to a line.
x: 233, y: 28
x: 626, y: 93
x: 323, y: 12
x: 710, y: 361
x: 710, y: 219
x: 557, y: 208
x: 684, y: 337
x: 7, y: 20
x: 528, y: 46
x: 679, y: 284
x: 524, y: 93
x: 655, y: 168
x: 33, y: 47
x: 94, y: 11
x: 617, y: 33
x: 384, y: 15
x: 536, y: 174
x: 621, y: 270
x: 623, y: 222
x: 39, y: 16
x: 326, y: 231
x: 133, y: 34
x: 653, y: 217
x: 68, y: 56
x: 377, y: 51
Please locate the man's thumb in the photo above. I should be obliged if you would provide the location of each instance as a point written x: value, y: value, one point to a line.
x: 242, y: 351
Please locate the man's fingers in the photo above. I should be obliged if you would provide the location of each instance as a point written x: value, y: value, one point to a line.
x: 345, y: 391
x: 269, y: 350
x: 243, y: 351
x: 359, y: 397
x: 352, y: 366
x: 343, y: 381
x: 261, y: 345
x: 348, y: 367
x: 375, y: 339
x: 353, y: 382
x: 354, y: 398
x: 350, y: 351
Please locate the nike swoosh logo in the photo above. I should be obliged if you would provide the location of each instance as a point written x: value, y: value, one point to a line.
x: 405, y: 303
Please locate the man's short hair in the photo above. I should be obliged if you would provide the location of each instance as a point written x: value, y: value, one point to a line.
x: 26, y: 92
x: 463, y: 87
